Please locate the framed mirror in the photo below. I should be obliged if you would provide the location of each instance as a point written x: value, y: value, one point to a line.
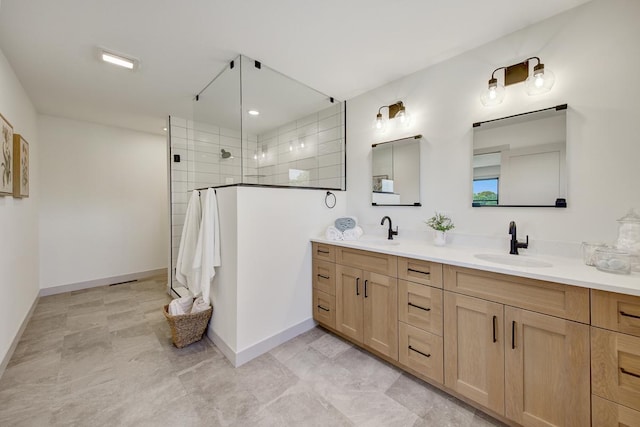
x: 395, y: 179
x: 520, y: 160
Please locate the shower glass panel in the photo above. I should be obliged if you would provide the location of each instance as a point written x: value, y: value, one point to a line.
x: 296, y: 139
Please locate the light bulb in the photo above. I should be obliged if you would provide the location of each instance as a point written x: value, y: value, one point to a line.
x: 493, y: 95
x: 301, y: 144
x: 541, y: 81
x: 401, y: 116
x: 290, y: 147
x: 379, y: 122
x: 255, y: 156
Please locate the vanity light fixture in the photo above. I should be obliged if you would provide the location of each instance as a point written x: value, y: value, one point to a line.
x: 396, y: 111
x: 118, y: 59
x: 536, y: 82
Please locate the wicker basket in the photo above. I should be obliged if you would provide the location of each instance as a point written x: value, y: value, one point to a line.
x: 187, y: 328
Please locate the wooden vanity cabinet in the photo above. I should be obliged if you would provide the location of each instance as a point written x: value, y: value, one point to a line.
x: 531, y: 367
x: 366, y: 301
x: 324, y: 284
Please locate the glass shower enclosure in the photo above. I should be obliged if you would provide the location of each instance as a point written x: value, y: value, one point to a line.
x: 254, y: 126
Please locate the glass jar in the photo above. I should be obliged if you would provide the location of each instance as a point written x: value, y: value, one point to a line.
x: 589, y: 250
x: 613, y: 260
x: 629, y: 236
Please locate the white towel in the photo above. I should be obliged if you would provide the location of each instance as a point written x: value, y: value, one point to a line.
x: 185, y: 273
x: 180, y: 306
x: 352, y: 233
x: 333, y: 233
x: 199, y: 305
x: 207, y: 254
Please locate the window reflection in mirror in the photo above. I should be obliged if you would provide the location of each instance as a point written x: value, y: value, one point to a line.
x: 521, y: 160
x: 395, y: 177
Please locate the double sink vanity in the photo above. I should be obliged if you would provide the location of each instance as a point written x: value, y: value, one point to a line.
x: 533, y: 341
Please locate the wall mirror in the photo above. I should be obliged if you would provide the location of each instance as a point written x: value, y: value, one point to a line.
x: 520, y: 160
x: 395, y: 169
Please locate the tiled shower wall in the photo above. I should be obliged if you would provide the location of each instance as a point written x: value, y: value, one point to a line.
x: 201, y: 165
x: 308, y: 152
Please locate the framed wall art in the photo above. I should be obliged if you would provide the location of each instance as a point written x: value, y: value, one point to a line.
x: 20, y: 166
x: 6, y: 157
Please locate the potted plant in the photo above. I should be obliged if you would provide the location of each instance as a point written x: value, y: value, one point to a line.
x: 441, y: 224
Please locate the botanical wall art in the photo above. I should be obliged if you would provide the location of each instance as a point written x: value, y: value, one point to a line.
x: 20, y: 166
x: 6, y: 157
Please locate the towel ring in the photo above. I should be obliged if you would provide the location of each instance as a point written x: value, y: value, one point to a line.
x: 326, y: 200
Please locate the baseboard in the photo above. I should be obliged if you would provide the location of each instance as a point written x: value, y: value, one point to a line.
x: 258, y: 349
x: 16, y: 339
x: 100, y: 282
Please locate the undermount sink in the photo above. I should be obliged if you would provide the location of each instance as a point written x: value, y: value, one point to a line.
x: 514, y: 260
x: 379, y: 241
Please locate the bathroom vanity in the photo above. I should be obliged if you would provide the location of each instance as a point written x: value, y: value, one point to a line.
x: 557, y: 345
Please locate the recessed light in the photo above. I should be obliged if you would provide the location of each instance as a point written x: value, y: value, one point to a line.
x: 119, y: 60
x: 254, y: 112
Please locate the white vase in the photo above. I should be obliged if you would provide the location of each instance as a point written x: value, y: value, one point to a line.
x: 440, y: 238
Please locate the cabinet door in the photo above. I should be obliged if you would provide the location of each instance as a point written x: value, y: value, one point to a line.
x: 349, y: 295
x: 546, y: 370
x: 381, y: 313
x: 474, y: 349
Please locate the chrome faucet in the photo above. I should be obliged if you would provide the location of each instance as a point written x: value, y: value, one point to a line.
x: 514, y: 240
x: 390, y: 233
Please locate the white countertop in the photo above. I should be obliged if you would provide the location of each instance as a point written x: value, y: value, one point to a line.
x: 570, y: 271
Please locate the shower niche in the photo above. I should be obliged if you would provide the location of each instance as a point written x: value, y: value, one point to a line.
x: 254, y: 126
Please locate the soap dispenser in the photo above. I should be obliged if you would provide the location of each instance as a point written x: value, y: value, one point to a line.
x: 629, y: 237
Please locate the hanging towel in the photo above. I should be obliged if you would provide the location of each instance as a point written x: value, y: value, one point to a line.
x: 185, y: 273
x: 207, y: 254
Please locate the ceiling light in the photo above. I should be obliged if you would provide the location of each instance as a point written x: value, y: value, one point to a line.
x: 537, y: 82
x: 253, y: 112
x: 119, y: 60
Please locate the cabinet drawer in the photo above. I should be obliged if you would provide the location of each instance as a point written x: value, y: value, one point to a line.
x: 617, y: 312
x: 425, y: 272
x: 610, y: 414
x: 324, y: 276
x: 421, y: 351
x: 324, y: 252
x: 555, y: 299
x: 615, y: 367
x: 369, y: 261
x: 324, y: 308
x: 420, y: 306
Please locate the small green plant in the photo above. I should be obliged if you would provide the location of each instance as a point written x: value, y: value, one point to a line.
x: 440, y: 222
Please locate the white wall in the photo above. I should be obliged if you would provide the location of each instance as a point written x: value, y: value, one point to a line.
x: 593, y: 52
x: 265, y: 277
x: 103, y: 206
x: 18, y: 217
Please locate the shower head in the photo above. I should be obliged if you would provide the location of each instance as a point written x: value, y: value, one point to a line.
x: 225, y: 154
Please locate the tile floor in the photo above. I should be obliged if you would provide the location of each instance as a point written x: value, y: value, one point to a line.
x: 104, y: 357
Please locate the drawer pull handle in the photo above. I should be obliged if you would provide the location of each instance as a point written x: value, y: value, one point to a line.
x: 495, y: 318
x: 513, y: 335
x: 419, y: 352
x: 323, y: 277
x: 418, y: 271
x: 323, y: 308
x: 357, y: 286
x: 323, y: 252
x: 624, y: 371
x: 365, y: 288
x: 622, y: 313
x: 417, y: 306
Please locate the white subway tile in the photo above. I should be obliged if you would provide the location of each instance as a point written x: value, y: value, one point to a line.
x: 330, y: 159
